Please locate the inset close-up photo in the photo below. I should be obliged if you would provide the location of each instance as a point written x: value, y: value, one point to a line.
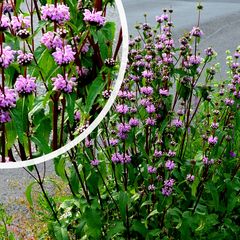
x: 56, y: 60
x: 160, y: 154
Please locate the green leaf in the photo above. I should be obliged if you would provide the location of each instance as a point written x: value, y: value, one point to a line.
x: 20, y: 119
x: 123, y: 201
x: 28, y: 193
x: 71, y: 99
x: 94, y: 223
x: 115, y: 230
x: 94, y: 90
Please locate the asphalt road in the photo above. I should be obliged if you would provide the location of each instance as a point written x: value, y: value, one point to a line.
x: 220, y: 23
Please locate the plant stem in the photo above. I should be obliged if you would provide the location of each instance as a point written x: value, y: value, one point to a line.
x: 81, y: 182
x: 55, y: 122
x: 40, y: 182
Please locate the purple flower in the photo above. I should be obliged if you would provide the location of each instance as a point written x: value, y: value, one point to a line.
x: 151, y: 187
x: 25, y: 85
x: 107, y: 93
x: 124, y: 127
x: 150, y: 121
x: 209, y: 52
x: 24, y: 58
x: 4, y: 116
x: 58, y: 14
x: 148, y: 91
x: 6, y: 57
x: 232, y: 154
x: 8, y: 98
x: 122, y: 108
x: 95, y: 162
x: 190, y: 177
x: 150, y: 109
x: 194, y: 60
x: 20, y: 22
x: 120, y: 158
x: 162, y: 18
x: 212, y: 140
x: 4, y: 23
x: 7, y: 7
x: 77, y: 116
x: 206, y: 161
x: 113, y: 142
x: 63, y: 83
x: 167, y: 188
x: 94, y: 18
x: 145, y: 102
x: 85, y: 48
x: 82, y: 72
x: 63, y: 56
x: 158, y: 154
x: 147, y: 74
x: 166, y: 191
x: 88, y: 142
x: 177, y: 123
x: 133, y: 122
x: 152, y: 169
x: 169, y: 182
x: 171, y: 153
x: 196, y: 32
x: 164, y: 92
x: 214, y: 125
x: 51, y: 40
x: 229, y: 102
x: 170, y: 165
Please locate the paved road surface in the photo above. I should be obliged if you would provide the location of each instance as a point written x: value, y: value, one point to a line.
x: 220, y: 22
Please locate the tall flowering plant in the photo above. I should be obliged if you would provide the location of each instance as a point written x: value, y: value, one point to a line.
x: 56, y: 58
x: 164, y: 163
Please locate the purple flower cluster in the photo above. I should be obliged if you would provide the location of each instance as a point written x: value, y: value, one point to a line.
x: 164, y: 92
x: 59, y: 14
x: 133, y: 122
x: 77, y: 116
x: 190, y: 177
x: 158, y: 154
x: 152, y: 169
x: 4, y: 23
x: 123, y: 129
x: 148, y: 91
x: 95, y: 162
x: 121, y: 158
x: 4, y: 116
x: 167, y: 188
x: 51, y: 40
x: 94, y: 18
x: 20, y: 22
x: 24, y: 58
x: 7, y: 101
x: 177, y: 123
x: 113, y: 142
x: 196, y: 32
x: 170, y: 165
x: 212, y: 140
x: 63, y: 56
x: 25, y: 85
x: 6, y: 57
x: 63, y: 83
x: 122, y: 108
x: 206, y: 161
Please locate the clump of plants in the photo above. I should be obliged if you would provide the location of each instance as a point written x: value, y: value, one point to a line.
x: 56, y: 57
x: 164, y: 163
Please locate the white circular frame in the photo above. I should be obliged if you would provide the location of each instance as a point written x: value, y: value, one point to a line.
x: 102, y: 114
